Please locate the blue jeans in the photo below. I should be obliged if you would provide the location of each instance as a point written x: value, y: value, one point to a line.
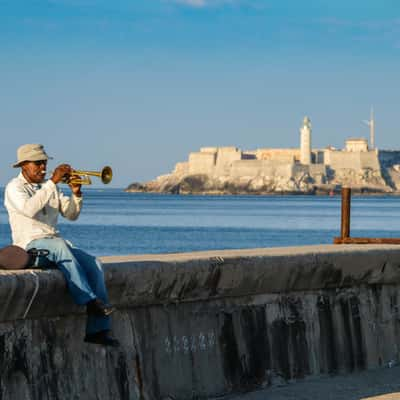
x: 83, y: 274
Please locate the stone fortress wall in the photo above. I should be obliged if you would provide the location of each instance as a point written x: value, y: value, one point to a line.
x: 280, y: 155
x: 235, y: 162
x: 355, y: 155
x: 305, y: 169
x: 355, y: 164
x: 338, y: 159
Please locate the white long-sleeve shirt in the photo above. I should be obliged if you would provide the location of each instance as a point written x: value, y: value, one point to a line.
x: 33, y: 209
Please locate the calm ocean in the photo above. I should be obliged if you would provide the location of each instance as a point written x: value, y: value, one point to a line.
x: 116, y: 223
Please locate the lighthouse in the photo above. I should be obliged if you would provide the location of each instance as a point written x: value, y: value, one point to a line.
x: 305, y: 142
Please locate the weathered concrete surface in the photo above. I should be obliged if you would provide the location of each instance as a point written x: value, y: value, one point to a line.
x: 376, y: 384
x: 204, y: 324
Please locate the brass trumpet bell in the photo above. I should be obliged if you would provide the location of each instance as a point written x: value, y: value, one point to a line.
x: 79, y: 177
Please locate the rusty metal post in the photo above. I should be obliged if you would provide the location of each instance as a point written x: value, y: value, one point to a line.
x: 345, y: 225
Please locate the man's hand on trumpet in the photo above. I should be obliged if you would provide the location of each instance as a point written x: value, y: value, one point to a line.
x: 64, y: 172
x: 61, y: 173
x: 75, y: 187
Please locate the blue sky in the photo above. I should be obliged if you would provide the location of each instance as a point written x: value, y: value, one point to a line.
x: 139, y: 84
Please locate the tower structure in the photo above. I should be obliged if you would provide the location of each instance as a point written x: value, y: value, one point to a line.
x: 371, y: 124
x: 305, y: 142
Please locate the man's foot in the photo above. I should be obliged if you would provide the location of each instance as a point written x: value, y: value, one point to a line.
x: 102, y: 338
x: 98, y: 308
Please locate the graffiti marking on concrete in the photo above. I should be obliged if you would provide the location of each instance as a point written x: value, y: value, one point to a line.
x: 202, y: 341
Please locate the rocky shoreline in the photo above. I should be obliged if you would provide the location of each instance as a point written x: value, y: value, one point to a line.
x: 201, y: 185
x: 230, y: 171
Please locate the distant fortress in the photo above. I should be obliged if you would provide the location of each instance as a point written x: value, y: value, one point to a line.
x: 220, y: 170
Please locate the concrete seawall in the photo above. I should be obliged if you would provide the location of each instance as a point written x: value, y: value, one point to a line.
x: 204, y: 324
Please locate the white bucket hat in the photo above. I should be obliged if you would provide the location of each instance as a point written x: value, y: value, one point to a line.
x: 31, y: 152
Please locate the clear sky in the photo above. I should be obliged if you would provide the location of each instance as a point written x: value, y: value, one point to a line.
x: 138, y: 84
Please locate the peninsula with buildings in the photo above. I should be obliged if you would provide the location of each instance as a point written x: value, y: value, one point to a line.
x: 304, y: 170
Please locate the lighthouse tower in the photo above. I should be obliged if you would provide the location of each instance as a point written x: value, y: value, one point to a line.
x: 305, y: 142
x: 371, y: 124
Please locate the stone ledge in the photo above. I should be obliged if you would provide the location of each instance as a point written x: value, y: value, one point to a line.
x: 140, y: 280
x: 201, y: 325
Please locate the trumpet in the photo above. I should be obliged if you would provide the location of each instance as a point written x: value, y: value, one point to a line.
x: 79, y: 177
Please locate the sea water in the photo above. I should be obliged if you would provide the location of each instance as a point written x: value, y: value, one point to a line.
x: 113, y: 222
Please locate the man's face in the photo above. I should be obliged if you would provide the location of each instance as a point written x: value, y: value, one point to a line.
x: 34, y: 171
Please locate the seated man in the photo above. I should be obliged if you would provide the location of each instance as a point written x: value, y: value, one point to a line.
x: 33, y: 205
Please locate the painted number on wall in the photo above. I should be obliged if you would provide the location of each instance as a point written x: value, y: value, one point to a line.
x: 190, y: 344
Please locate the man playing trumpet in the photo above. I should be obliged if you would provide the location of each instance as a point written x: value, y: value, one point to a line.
x: 33, y: 206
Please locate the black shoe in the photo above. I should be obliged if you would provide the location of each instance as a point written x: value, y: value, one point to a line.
x: 102, y: 338
x: 98, y: 308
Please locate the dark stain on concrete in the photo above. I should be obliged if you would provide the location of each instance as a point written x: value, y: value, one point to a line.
x: 376, y: 290
x: 155, y: 385
x: 301, y: 366
x: 348, y: 281
x: 329, y: 363
x: 233, y: 370
x: 149, y: 370
x: 49, y: 371
x: 213, y: 280
x: 357, y: 333
x: 330, y: 275
x: 139, y: 375
x: 383, y: 267
x: 19, y: 361
x: 280, y: 348
x: 324, y: 274
x: 43, y: 386
x: 122, y: 378
x: 354, y: 355
x: 297, y: 334
x: 254, y: 328
x: 156, y: 288
x: 289, y: 344
x: 301, y: 279
x: 2, y: 362
x: 188, y: 287
x: 2, y: 350
x: 166, y: 292
x: 348, y: 352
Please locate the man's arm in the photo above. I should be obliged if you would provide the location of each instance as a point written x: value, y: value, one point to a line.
x: 18, y: 198
x: 70, y: 207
